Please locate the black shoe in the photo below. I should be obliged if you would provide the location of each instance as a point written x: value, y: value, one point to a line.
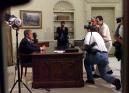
x: 90, y: 81
x: 117, y: 84
x: 110, y: 72
x: 93, y: 68
x: 96, y: 76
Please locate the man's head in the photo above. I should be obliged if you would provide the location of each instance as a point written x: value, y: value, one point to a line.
x: 99, y: 20
x: 62, y: 23
x: 28, y: 34
x: 92, y: 28
x: 119, y: 20
x: 93, y: 21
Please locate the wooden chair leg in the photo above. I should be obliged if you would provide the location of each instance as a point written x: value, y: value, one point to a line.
x: 21, y: 71
x: 25, y: 70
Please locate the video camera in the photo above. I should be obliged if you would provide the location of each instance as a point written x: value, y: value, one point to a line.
x: 91, y: 24
x: 87, y: 26
x: 90, y: 27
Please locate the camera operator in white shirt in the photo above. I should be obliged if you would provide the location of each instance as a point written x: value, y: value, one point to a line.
x: 97, y: 54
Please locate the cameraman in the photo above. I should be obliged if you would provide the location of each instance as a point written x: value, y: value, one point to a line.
x: 97, y: 54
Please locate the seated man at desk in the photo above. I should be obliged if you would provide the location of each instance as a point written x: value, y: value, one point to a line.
x: 27, y: 46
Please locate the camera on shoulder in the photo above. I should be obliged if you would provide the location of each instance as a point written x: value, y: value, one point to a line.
x: 87, y: 26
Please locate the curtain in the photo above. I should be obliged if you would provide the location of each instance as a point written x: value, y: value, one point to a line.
x: 9, y: 48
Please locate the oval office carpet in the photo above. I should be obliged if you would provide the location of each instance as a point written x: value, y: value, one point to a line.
x: 100, y: 87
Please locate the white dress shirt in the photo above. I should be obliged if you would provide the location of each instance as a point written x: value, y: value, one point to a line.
x: 121, y: 31
x: 104, y: 30
x: 95, y: 37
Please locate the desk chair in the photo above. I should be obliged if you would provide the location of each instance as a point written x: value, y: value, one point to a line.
x: 39, y: 44
x: 79, y: 43
x: 25, y: 62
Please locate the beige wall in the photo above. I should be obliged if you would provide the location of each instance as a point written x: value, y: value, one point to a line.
x: 104, y: 3
x: 82, y: 13
x: 46, y: 33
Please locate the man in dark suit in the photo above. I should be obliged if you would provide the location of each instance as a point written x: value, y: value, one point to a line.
x: 27, y: 46
x: 62, y: 36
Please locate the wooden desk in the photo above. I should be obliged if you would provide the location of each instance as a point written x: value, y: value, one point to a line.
x: 54, y: 70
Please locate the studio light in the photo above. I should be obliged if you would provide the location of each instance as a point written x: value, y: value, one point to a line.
x: 13, y: 21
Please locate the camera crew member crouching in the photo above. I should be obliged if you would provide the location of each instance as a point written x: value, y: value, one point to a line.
x: 97, y: 54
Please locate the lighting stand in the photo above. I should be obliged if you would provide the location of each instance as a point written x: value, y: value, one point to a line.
x: 18, y: 68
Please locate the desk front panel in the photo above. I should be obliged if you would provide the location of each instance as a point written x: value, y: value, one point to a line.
x: 57, y: 70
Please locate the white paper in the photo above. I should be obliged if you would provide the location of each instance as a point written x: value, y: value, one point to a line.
x: 59, y: 51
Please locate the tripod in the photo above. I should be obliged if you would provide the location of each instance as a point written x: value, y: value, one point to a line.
x: 18, y: 69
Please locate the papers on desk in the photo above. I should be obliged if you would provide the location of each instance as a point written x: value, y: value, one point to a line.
x: 59, y: 51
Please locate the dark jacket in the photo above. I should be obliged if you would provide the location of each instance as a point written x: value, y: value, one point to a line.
x: 118, y: 50
x: 26, y: 47
x: 62, y: 37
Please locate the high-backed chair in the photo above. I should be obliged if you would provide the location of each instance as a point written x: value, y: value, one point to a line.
x: 39, y: 44
x: 25, y: 62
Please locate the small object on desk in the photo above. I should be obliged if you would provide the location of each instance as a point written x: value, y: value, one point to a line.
x: 71, y: 50
x: 43, y: 52
x: 59, y: 51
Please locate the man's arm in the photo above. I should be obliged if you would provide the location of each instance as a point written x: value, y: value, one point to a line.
x: 88, y: 48
x: 104, y: 32
x: 57, y: 32
x: 27, y: 47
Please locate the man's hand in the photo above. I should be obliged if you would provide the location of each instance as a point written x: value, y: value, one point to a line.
x: 43, y: 48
